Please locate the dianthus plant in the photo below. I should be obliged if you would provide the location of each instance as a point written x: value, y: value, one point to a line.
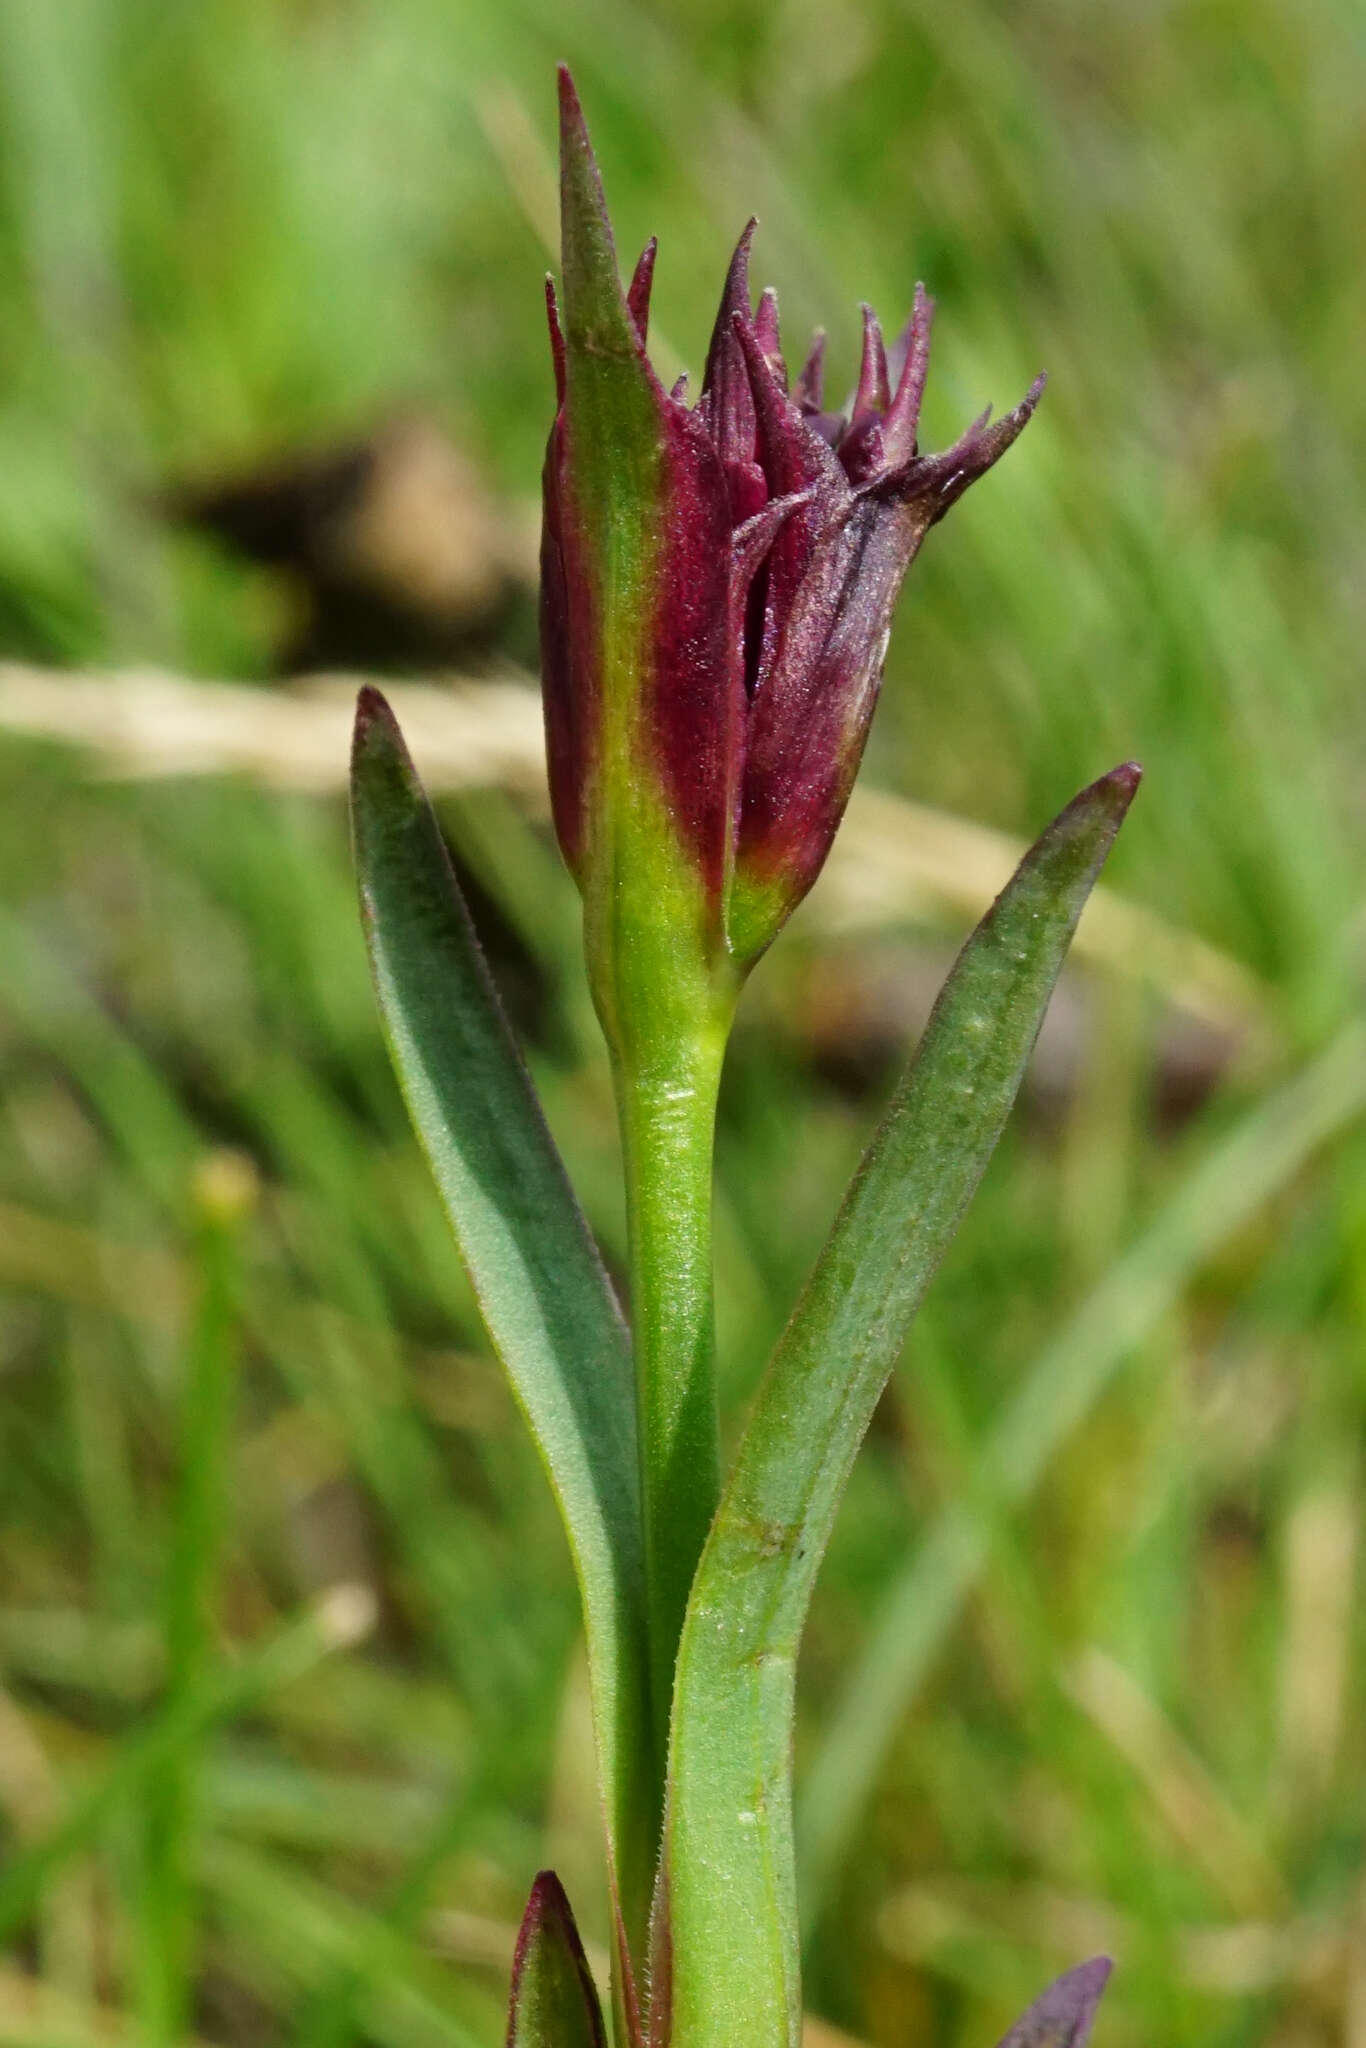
x: 717, y: 586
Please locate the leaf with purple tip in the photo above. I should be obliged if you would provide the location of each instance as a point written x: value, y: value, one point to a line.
x: 726, y: 1909
x: 1062, y: 2016
x: 554, y: 2003
x: 544, y: 1296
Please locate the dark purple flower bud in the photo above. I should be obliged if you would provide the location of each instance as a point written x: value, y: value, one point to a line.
x: 718, y: 587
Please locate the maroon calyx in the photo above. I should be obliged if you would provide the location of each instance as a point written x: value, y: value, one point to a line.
x: 778, y: 534
x: 816, y: 601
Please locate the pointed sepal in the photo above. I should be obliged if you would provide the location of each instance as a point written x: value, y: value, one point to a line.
x: 640, y: 287
x: 912, y: 354
x: 554, y: 2003
x: 935, y: 482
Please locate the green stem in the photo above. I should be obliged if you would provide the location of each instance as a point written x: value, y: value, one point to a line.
x: 667, y: 1107
x: 168, y: 1812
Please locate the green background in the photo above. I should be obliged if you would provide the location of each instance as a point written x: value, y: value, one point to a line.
x: 228, y: 230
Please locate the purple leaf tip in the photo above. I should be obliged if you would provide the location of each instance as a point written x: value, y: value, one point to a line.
x: 372, y: 709
x: 1063, y: 2015
x: 554, y: 2003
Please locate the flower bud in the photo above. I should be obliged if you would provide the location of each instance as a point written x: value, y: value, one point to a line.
x: 718, y: 586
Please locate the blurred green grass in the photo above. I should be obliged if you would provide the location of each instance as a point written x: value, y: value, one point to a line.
x: 232, y: 1811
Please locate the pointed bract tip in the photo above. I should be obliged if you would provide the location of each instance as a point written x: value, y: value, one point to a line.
x: 594, y: 312
x: 766, y: 324
x: 638, y: 291
x: 733, y: 309
x: 872, y: 398
x: 737, y: 276
x: 571, y: 109
x: 576, y: 148
x: 975, y: 451
x: 573, y: 127
x: 1010, y: 425
x: 737, y: 271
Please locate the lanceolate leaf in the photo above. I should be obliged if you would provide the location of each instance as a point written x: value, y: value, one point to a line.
x: 541, y: 1288
x: 726, y: 1934
x: 554, y: 2004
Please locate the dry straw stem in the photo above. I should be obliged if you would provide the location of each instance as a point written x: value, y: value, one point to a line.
x: 894, y: 862
x: 149, y: 1286
x: 1320, y: 1575
x: 35, y: 2013
x: 29, y: 1791
x: 1180, y: 1787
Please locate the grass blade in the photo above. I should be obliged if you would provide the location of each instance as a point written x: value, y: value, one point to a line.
x: 728, y: 1907
x: 541, y: 1288
x: 337, y: 1620
x: 168, y: 1815
x: 297, y: 1930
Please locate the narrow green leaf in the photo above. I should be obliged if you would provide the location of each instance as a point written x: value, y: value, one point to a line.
x: 554, y: 2004
x: 1229, y: 1182
x: 728, y: 1926
x: 168, y: 1814
x: 545, y: 1299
